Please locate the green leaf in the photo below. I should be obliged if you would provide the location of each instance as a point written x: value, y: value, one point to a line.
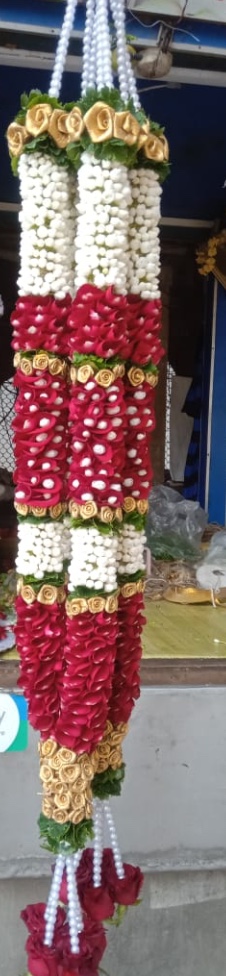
x: 108, y: 783
x: 71, y: 837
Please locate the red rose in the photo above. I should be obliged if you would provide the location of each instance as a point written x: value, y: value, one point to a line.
x: 125, y: 891
x: 98, y: 903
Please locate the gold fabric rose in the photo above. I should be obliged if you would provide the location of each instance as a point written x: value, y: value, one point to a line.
x: 106, y: 514
x: 73, y: 509
x: 129, y: 504
x: 57, y: 128
x: 118, y: 514
x: 21, y: 509
x: 152, y: 379
x: 153, y: 149
x: 16, y: 138
x: 56, y: 366
x: 47, y: 808
x: 28, y: 594
x: 38, y: 512
x: 48, y: 748
x: 16, y: 359
x: 165, y: 145
x: 37, y: 118
x: 55, y: 511
x: 88, y: 510
x: 73, y: 374
x: 67, y: 756
x: 75, y: 124
x: 128, y: 590
x: 40, y: 361
x: 104, y: 378
x: 47, y: 595
x: 142, y: 506
x: 26, y: 366
x: 99, y: 122
x: 135, y: 376
x: 85, y: 373
x: 76, y: 606
x: 96, y: 604
x: 119, y: 370
x: 63, y: 799
x: 126, y: 127
x: 69, y: 774
x: 45, y: 773
x: 60, y: 816
x: 111, y: 604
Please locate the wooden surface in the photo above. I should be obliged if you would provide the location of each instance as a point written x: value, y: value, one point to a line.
x: 154, y: 672
x: 175, y: 631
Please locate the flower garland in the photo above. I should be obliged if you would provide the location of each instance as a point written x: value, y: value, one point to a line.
x: 87, y: 350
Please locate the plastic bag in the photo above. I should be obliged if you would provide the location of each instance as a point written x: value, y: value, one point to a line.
x: 174, y: 525
x: 211, y: 573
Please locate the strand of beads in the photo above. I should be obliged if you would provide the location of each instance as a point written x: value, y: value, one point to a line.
x: 62, y: 48
x: 52, y: 904
x: 98, y: 843
x: 114, y: 840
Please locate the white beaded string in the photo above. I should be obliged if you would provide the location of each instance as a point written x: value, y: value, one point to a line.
x: 51, y: 907
x: 114, y: 840
x: 73, y: 920
x: 131, y: 82
x: 93, y: 57
x: 76, y: 860
x: 117, y: 7
x: 89, y: 33
x: 104, y: 43
x: 62, y: 49
x: 98, y: 844
x: 99, y: 46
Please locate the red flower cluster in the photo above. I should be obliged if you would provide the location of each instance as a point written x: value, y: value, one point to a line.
x: 97, y: 448
x: 40, y: 636
x: 137, y: 473
x: 99, y: 903
x: 58, y: 960
x: 97, y: 323
x: 144, y: 324
x: 40, y: 430
x: 126, y: 684
x: 87, y: 681
x: 105, y: 324
x: 40, y: 323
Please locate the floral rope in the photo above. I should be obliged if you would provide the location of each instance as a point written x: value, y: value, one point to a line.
x: 87, y: 351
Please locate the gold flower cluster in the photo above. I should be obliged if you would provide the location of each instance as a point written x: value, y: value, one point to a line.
x: 206, y: 255
x: 101, y: 122
x: 109, y: 752
x: 130, y: 589
x: 136, y: 376
x: 130, y: 505
x: 41, y: 361
x: 95, y: 604
x: 66, y: 779
x: 90, y: 510
x: 55, y: 511
x: 47, y: 595
x: 103, y: 377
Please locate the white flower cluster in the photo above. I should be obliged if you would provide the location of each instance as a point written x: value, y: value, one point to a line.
x: 144, y: 268
x: 93, y: 562
x: 130, y: 556
x: 103, y: 208
x: 47, y: 227
x: 42, y: 548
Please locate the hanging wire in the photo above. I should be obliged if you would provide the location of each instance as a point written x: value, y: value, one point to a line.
x: 62, y: 49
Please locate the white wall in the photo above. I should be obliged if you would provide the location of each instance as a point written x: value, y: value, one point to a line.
x: 173, y: 807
